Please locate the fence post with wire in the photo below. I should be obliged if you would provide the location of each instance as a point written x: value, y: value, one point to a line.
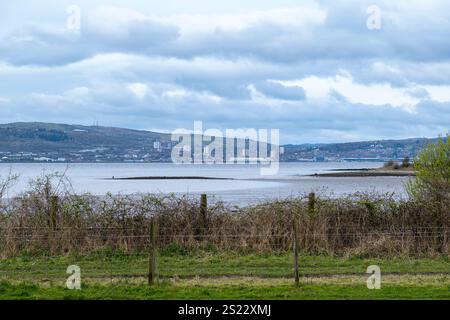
x: 152, y: 252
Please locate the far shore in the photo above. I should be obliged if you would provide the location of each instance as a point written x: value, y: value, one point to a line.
x: 168, y: 178
x: 381, y: 172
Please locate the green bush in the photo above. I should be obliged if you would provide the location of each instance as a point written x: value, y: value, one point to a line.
x: 432, y: 167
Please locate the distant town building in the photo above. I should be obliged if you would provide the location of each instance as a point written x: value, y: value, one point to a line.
x: 157, y: 145
x: 43, y: 159
x: 319, y: 159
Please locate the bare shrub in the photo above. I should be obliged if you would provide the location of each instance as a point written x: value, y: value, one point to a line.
x: 50, y: 219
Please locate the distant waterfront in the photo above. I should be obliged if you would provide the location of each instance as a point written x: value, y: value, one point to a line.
x: 246, y: 186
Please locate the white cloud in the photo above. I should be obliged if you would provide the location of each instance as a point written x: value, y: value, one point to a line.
x: 372, y: 94
x: 140, y: 90
x: 73, y: 96
x: 439, y: 93
x: 293, y: 17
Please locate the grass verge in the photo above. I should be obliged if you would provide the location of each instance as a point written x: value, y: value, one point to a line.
x: 226, y: 275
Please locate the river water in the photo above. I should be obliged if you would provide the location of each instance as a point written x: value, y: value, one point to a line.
x: 246, y: 184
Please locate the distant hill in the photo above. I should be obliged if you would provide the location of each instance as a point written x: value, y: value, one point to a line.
x: 48, y: 137
x: 356, y: 151
x: 35, y: 141
x: 77, y: 142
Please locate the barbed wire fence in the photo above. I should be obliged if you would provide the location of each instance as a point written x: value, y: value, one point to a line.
x: 155, y: 253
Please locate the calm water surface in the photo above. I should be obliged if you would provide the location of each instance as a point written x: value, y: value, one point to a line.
x: 248, y: 187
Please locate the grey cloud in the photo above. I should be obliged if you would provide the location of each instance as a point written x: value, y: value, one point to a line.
x: 136, y: 36
x: 276, y: 90
x: 301, y: 121
x: 34, y: 45
x: 343, y: 36
x: 419, y: 93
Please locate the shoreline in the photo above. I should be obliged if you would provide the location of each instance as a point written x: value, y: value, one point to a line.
x: 169, y: 178
x: 366, y: 173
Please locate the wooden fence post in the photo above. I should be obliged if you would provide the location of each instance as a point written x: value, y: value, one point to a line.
x: 295, y: 249
x: 203, y: 211
x: 53, y: 211
x: 311, y: 202
x: 201, y: 222
x: 152, y: 252
x: 445, y: 219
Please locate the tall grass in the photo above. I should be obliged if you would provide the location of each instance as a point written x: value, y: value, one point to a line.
x: 50, y: 219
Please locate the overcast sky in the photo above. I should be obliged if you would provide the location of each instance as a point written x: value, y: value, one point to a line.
x: 312, y: 69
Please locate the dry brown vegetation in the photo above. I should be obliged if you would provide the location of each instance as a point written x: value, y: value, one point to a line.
x: 51, y: 220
